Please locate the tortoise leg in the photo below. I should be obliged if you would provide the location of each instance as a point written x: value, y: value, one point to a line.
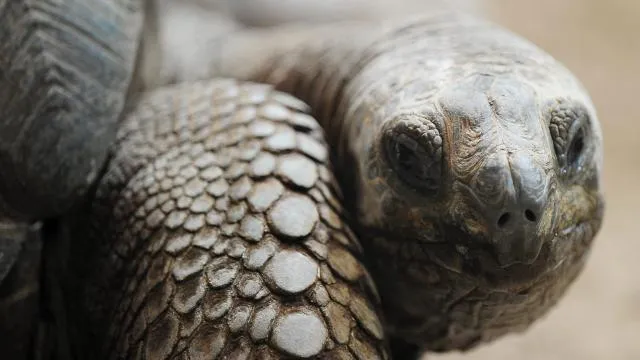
x: 219, y: 234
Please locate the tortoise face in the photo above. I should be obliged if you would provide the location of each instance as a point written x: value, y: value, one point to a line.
x: 493, y: 184
x: 501, y: 170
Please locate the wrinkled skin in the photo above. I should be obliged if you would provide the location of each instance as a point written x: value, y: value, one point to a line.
x: 509, y: 221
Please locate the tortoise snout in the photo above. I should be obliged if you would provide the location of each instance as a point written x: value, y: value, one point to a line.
x: 514, y: 195
x: 514, y: 229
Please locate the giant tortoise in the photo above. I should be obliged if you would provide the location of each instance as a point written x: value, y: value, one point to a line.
x: 349, y: 190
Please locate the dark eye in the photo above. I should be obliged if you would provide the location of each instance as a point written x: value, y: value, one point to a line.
x: 416, y: 159
x: 576, y: 147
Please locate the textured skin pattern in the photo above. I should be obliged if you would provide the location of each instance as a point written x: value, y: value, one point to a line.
x: 64, y: 73
x: 449, y: 275
x: 218, y: 232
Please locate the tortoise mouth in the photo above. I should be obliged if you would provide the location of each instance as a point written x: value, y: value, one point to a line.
x: 472, y: 259
x: 476, y: 258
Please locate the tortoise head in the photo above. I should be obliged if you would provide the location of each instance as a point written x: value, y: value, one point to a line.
x: 481, y: 177
x: 495, y: 167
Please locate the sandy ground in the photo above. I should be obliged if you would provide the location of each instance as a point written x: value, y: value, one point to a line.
x: 600, y: 317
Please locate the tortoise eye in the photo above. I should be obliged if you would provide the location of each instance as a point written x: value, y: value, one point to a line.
x: 415, y: 158
x: 576, y: 147
x: 569, y: 128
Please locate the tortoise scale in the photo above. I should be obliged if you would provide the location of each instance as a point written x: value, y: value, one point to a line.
x: 352, y: 190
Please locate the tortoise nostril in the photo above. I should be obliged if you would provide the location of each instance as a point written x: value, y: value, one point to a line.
x: 504, y: 218
x: 530, y: 215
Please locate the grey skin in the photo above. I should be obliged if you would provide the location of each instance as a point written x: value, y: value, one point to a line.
x: 444, y: 133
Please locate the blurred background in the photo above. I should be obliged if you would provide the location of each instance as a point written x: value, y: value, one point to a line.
x: 599, y: 41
